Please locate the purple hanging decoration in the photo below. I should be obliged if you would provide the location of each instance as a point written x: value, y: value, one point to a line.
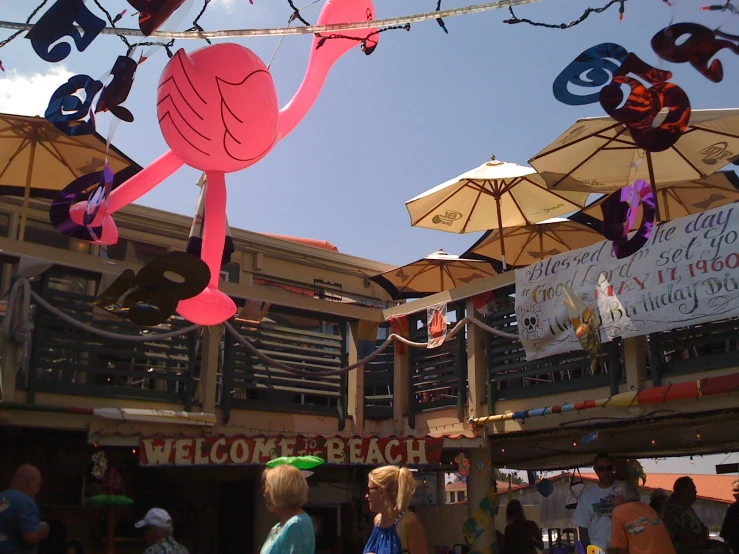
x: 98, y: 199
x: 619, y: 218
x: 74, y: 192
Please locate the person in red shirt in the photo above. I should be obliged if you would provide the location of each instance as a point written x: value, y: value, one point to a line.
x: 635, y: 527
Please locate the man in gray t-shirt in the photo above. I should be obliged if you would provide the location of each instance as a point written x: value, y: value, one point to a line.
x: 595, y: 505
x: 21, y: 529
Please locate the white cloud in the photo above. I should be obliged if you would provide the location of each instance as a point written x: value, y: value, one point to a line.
x: 28, y: 94
x: 228, y: 5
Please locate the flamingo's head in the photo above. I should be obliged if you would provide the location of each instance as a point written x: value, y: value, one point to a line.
x: 344, y: 11
x: 217, y: 108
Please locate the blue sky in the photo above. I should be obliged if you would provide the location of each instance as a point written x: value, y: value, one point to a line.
x: 423, y: 108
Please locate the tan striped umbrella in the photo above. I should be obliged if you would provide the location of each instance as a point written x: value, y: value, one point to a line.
x: 531, y: 243
x: 436, y: 272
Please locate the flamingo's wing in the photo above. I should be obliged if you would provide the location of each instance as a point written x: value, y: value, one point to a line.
x: 181, y: 108
x: 245, y: 105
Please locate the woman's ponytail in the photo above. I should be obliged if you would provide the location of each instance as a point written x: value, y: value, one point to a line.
x: 406, y: 488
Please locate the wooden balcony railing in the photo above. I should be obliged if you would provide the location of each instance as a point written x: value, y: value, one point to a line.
x: 378, y: 385
x: 250, y: 383
x: 68, y: 360
x: 437, y: 376
x: 694, y: 349
x: 510, y: 376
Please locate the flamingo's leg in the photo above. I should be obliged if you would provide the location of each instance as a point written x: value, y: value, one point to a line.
x: 211, y: 306
x: 130, y: 191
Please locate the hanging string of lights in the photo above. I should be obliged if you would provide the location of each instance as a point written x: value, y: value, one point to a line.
x: 577, y: 21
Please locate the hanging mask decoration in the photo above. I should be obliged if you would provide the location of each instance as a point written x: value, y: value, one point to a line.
x: 151, y: 296
x: 463, y: 465
x: 545, y: 487
x: 153, y: 13
x: 609, y: 67
x: 61, y: 21
x: 93, y: 186
x: 698, y: 47
x: 619, y: 218
x: 99, y: 464
x: 70, y: 108
x: 584, y: 324
x: 116, y: 92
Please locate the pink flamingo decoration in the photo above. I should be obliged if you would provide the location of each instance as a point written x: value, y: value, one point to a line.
x: 218, y: 112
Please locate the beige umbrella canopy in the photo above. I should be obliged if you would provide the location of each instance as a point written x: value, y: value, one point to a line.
x: 36, y: 160
x: 678, y: 200
x: 436, y: 272
x: 492, y: 196
x: 532, y: 243
x: 598, y: 154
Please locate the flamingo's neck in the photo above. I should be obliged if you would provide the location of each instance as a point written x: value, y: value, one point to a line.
x: 294, y: 111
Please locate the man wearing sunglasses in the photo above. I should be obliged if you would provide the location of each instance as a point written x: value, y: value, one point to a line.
x: 594, y: 508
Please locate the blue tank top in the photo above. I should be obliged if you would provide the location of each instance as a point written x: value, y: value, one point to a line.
x: 385, y: 540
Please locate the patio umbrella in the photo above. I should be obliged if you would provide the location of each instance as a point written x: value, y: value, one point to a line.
x: 36, y: 160
x: 436, y: 272
x: 492, y: 196
x: 677, y: 200
x: 597, y: 154
x: 532, y: 243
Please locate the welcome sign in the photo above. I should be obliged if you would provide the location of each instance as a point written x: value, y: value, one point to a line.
x: 687, y: 273
x: 243, y: 450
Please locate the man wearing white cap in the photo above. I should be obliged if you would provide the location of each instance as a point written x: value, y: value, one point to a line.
x: 158, y: 533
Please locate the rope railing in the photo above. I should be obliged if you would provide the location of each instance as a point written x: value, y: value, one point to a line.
x: 18, y: 327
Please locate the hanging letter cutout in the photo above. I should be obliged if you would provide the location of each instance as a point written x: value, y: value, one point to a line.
x: 594, y: 68
x: 70, y: 107
x: 60, y: 21
x: 153, y: 13
x: 151, y: 297
x: 619, y: 218
x: 643, y: 105
x: 698, y: 49
x: 115, y: 93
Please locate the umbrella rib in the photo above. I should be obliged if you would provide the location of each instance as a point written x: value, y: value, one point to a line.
x: 590, y: 157
x: 586, y: 137
x: 62, y: 160
x: 687, y: 161
x: 529, y: 239
x: 553, y: 193
x: 418, y: 274
x: 24, y: 143
x: 472, y: 210
x: 712, y: 131
x: 445, y: 199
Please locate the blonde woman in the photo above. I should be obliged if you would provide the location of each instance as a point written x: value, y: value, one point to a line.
x: 396, y: 531
x: 285, y: 492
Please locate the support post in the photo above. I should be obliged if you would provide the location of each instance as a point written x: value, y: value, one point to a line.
x: 355, y: 402
x: 401, y: 365
x: 635, y: 361
x: 478, y: 487
x: 209, y: 362
x: 476, y: 364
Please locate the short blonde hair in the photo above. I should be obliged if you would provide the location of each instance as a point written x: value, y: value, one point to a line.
x: 398, y: 483
x: 287, y: 486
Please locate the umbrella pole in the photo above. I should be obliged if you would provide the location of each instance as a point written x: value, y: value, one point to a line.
x: 27, y: 191
x: 500, y: 230
x: 541, y: 245
x: 653, y: 186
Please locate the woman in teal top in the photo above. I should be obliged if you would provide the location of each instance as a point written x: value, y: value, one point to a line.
x: 286, y: 491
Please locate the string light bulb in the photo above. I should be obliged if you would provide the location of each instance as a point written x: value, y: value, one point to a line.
x: 691, y: 460
x: 654, y: 442
x: 698, y: 436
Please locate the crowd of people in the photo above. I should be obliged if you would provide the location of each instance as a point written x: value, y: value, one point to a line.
x: 610, y: 516
x: 285, y: 489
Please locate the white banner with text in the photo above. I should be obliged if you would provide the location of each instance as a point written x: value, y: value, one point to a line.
x: 687, y: 273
